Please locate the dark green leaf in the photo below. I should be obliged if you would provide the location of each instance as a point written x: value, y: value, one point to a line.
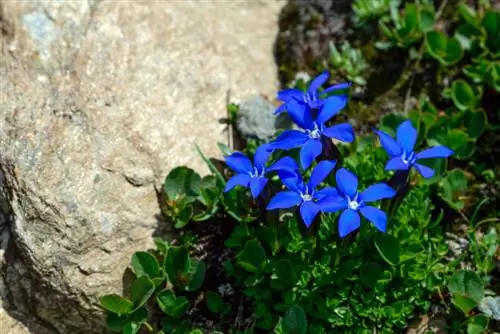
x: 284, y: 274
x: 427, y: 18
x: 447, y: 51
x: 182, y: 181
x: 145, y: 264
x: 464, y: 303
x: 116, y: 304
x: 141, y: 290
x: 252, y: 257
x: 115, y: 322
x: 177, y: 265
x: 295, y: 321
x: 162, y: 245
x: 477, y: 324
x: 184, y: 217
x: 388, y: 248
x: 467, y: 283
x: 491, y: 22
x: 172, y: 305
x: 370, y: 274
x: 197, y: 275
x: 463, y: 95
x: 131, y: 328
x: 214, y: 301
x: 475, y: 122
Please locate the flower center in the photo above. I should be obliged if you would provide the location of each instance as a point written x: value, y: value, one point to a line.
x: 315, y: 133
x: 305, y: 195
x: 258, y: 172
x: 408, y: 158
x: 353, y: 204
x: 309, y: 98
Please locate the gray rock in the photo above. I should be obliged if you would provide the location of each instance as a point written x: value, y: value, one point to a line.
x: 256, y: 120
x: 491, y: 307
x: 99, y: 100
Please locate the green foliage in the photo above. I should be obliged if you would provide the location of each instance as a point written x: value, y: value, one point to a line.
x: 467, y: 289
x: 348, y: 62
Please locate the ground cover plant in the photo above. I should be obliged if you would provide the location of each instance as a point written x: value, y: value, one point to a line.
x: 334, y: 228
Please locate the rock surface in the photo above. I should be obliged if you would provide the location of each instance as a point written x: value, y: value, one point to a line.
x: 98, y: 101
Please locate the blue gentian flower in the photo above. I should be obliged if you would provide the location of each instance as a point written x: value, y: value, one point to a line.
x: 304, y: 195
x: 254, y: 175
x: 401, y: 150
x: 351, y: 202
x: 311, y: 98
x: 312, y: 134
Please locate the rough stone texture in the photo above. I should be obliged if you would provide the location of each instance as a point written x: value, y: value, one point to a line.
x: 98, y: 101
x: 256, y: 119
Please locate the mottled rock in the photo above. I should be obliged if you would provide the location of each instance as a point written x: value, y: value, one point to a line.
x: 99, y: 100
x: 256, y: 119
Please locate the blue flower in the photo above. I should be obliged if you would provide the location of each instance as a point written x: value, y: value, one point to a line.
x: 309, y: 200
x: 401, y: 150
x: 351, y: 202
x: 254, y: 175
x: 312, y: 98
x: 312, y: 134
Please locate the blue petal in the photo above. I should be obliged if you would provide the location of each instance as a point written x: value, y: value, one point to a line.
x: 396, y: 163
x: 284, y: 200
x: 292, y: 181
x: 239, y: 162
x: 326, y: 192
x: 320, y: 172
x: 349, y: 221
x: 347, y: 182
x: 388, y: 143
x: 376, y: 216
x: 377, y: 192
x: 317, y: 82
x: 332, y: 203
x: 289, y: 139
x: 261, y: 155
x: 237, y: 180
x: 308, y: 211
x: 284, y: 164
x: 280, y: 109
x: 343, y: 132
x: 425, y: 171
x: 406, y: 136
x: 257, y: 184
x: 300, y: 114
x: 342, y: 85
x: 331, y: 107
x: 310, y: 151
x: 287, y: 94
x: 435, y: 152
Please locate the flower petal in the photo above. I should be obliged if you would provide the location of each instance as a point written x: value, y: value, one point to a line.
x: 310, y: 151
x: 284, y: 164
x: 287, y: 94
x: 318, y: 81
x: 284, y: 200
x: 308, y: 211
x: 332, y: 203
x: 331, y: 107
x: 239, y: 162
x: 343, y: 132
x: 435, y: 152
x: 349, y: 221
x: 396, y: 163
x: 289, y: 139
x: 261, y: 155
x: 300, y: 114
x: 326, y: 192
x: 257, y: 184
x: 376, y: 216
x: 292, y: 180
x: 347, y: 182
x: 388, y: 143
x: 342, y: 85
x: 406, y: 136
x: 237, y: 180
x: 425, y: 171
x: 320, y: 172
x: 281, y: 108
x: 377, y: 192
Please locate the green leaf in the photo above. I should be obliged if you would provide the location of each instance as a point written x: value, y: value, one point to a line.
x: 197, y: 275
x: 463, y: 95
x: 477, y: 324
x: 115, y: 322
x: 491, y: 22
x: 139, y: 316
x: 467, y: 283
x: 116, y: 304
x: 427, y: 18
x: 388, y: 247
x: 467, y: 13
x: 295, y: 321
x: 284, y: 274
x: 162, y: 246
x: 141, y: 290
x: 453, y: 185
x: 253, y: 257
x: 464, y: 303
x: 211, y: 166
x: 184, y: 217
x: 178, y: 265
x: 456, y: 139
x: 214, y: 301
x: 476, y: 123
x: 224, y: 149
x: 145, y: 264
x: 172, y: 305
x: 131, y: 328
x: 182, y: 181
x: 447, y: 51
x: 370, y: 274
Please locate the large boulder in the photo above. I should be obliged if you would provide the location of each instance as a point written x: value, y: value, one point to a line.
x: 98, y: 101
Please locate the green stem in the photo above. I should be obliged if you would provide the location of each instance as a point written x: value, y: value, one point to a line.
x: 148, y: 326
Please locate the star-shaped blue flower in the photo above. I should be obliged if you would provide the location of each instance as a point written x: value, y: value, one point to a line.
x: 311, y: 98
x: 352, y: 203
x: 305, y: 195
x: 254, y: 175
x: 312, y: 134
x: 401, y: 150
